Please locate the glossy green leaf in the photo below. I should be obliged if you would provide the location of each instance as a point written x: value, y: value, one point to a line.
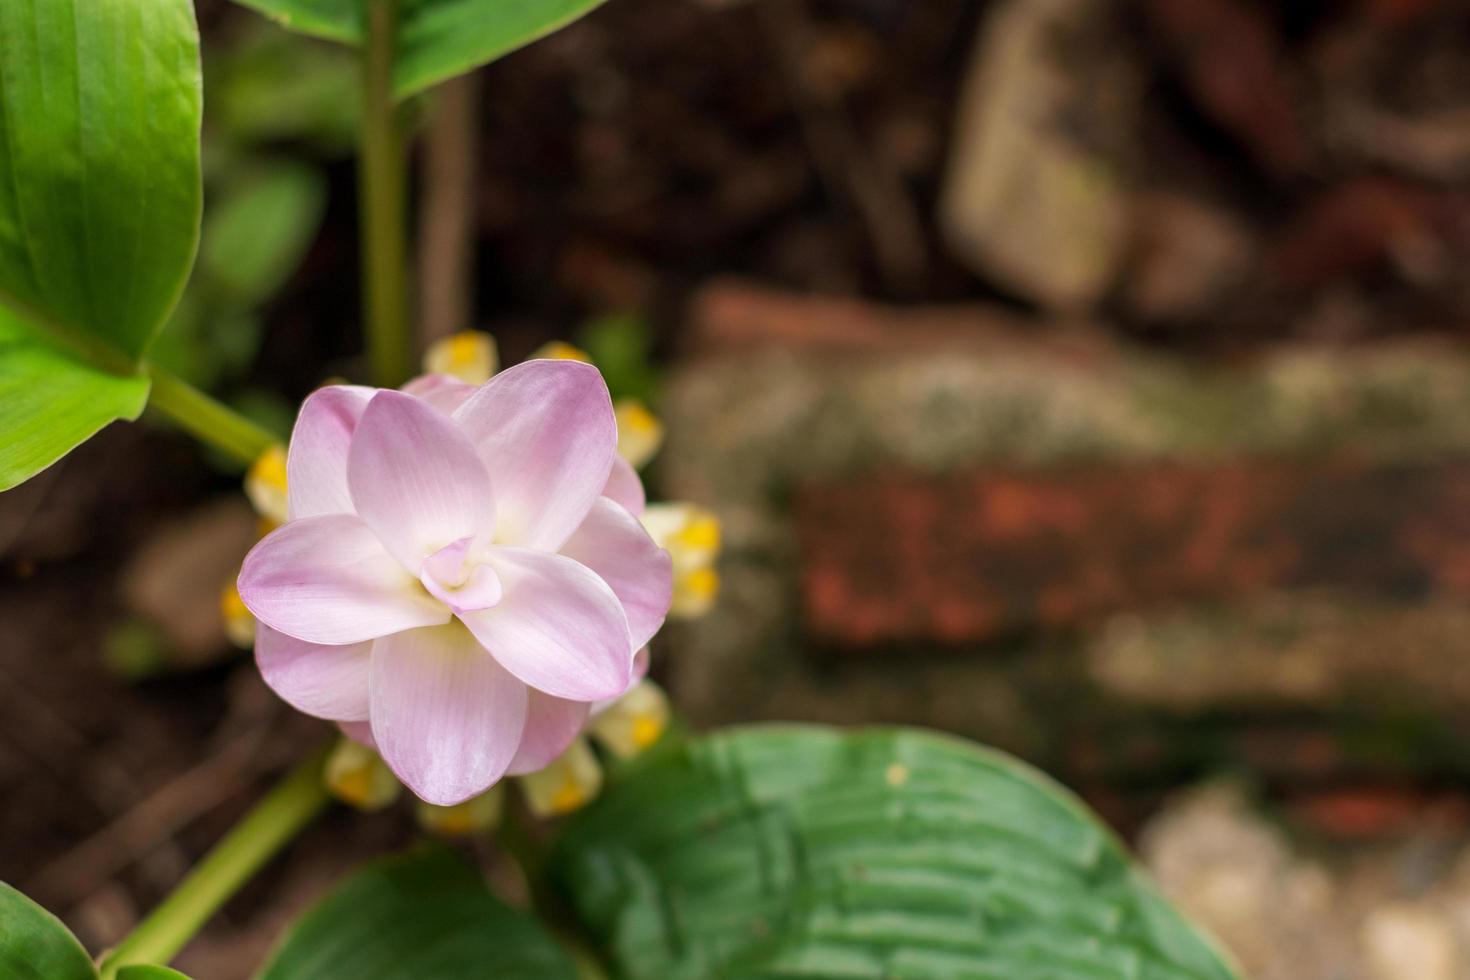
x: 438, y: 39
x: 99, y: 162
x: 425, y: 915
x: 805, y: 852
x: 50, y: 402
x: 34, y: 945
x: 149, y: 972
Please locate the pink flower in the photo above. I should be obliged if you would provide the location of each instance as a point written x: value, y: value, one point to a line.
x: 459, y: 574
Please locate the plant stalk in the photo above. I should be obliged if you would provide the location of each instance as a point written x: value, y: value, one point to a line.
x: 206, y: 419
x: 267, y: 828
x: 382, y: 203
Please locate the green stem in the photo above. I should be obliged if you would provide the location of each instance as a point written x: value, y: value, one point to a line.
x: 203, y: 417
x: 382, y: 190
x: 267, y: 828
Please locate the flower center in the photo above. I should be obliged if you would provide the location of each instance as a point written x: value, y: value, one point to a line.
x: 457, y: 580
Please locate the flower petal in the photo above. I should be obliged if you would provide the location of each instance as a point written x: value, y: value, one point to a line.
x: 446, y: 716
x: 416, y: 480
x: 328, y: 580
x: 613, y: 544
x: 316, y: 466
x: 360, y: 732
x: 323, y: 681
x: 551, y: 724
x: 545, y: 430
x: 558, y: 627
x: 444, y: 392
x: 625, y: 487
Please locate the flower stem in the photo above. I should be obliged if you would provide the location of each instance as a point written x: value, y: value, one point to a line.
x: 208, y: 420
x: 274, y: 821
x: 382, y: 189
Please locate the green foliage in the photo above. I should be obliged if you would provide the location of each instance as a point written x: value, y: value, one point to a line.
x: 99, y: 162
x: 621, y: 346
x: 438, y: 39
x: 99, y: 211
x: 798, y: 851
x: 424, y: 915
x: 149, y: 973
x: 34, y: 945
x: 50, y: 402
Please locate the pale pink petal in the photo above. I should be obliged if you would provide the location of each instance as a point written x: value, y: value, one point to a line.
x: 443, y: 391
x: 625, y: 487
x: 416, y: 480
x: 359, y: 731
x: 447, y: 718
x: 551, y: 724
x: 546, y: 432
x: 316, y: 464
x: 613, y: 544
x: 328, y: 580
x: 559, y: 627
x: 323, y: 681
x: 640, y: 671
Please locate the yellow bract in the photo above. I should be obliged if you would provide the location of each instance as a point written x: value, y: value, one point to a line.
x: 559, y: 350
x: 265, y: 484
x: 568, y: 784
x: 634, y: 722
x: 477, y: 815
x: 239, y: 623
x: 356, y: 775
x: 470, y: 356
x: 693, y: 538
x: 640, y: 433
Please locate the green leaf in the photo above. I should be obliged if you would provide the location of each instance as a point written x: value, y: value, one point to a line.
x: 258, y: 232
x: 149, y: 972
x: 804, y: 852
x: 437, y: 39
x: 50, y: 402
x: 34, y: 945
x: 99, y: 163
x: 425, y: 915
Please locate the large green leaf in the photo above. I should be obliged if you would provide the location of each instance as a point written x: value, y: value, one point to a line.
x: 99, y: 162
x: 804, y: 852
x: 50, y: 402
x: 99, y: 210
x: 34, y: 945
x: 426, y: 916
x: 149, y: 972
x: 438, y: 39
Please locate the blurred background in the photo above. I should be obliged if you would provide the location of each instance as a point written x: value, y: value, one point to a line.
x: 1087, y: 377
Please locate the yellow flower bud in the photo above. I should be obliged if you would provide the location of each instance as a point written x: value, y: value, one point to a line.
x: 239, y: 623
x: 692, y: 536
x: 265, y: 484
x: 357, y: 776
x: 640, y: 433
x: 477, y: 815
x: 561, y: 351
x: 633, y: 722
x: 470, y: 355
x: 695, y: 593
x: 568, y: 784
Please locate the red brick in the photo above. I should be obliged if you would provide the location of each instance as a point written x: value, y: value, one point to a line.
x: 973, y: 557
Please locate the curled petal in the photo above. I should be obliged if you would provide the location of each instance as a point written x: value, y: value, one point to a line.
x: 625, y: 487
x: 323, y: 681
x: 416, y: 480
x: 328, y: 580
x: 613, y: 544
x: 551, y: 724
x: 545, y: 430
x: 446, y: 716
x: 316, y: 466
x: 558, y: 626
